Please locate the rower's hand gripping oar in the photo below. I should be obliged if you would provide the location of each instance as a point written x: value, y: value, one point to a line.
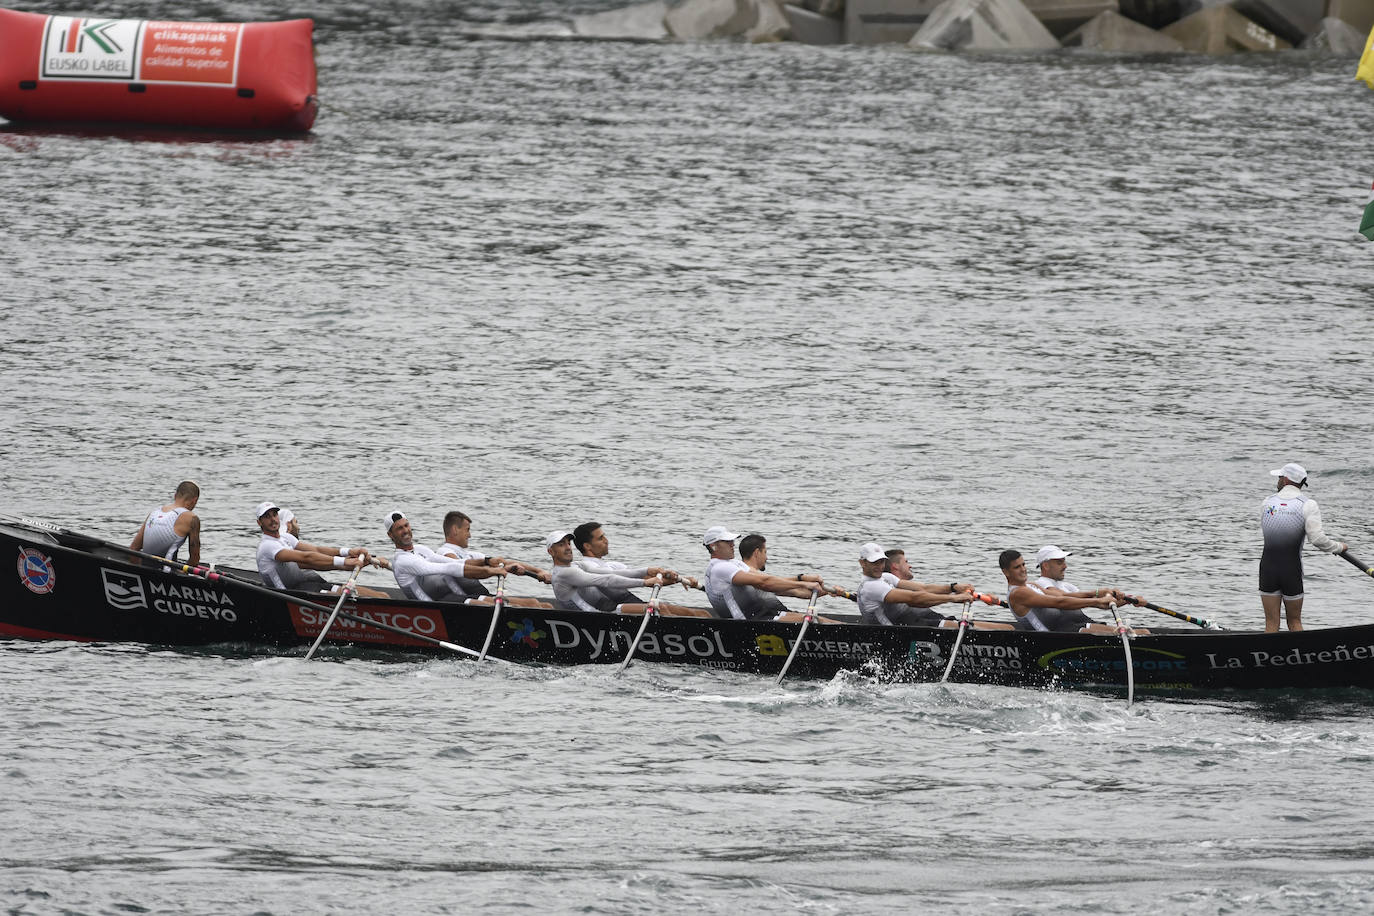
x: 343, y: 596
x: 801, y: 634
x: 959, y: 637
x: 495, y: 616
x: 1124, y: 632
x: 651, y: 611
x: 1359, y: 564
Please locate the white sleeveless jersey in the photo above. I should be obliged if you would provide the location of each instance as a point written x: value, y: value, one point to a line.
x: 159, y: 532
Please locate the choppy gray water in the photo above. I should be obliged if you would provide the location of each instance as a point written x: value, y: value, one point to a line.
x: 826, y: 294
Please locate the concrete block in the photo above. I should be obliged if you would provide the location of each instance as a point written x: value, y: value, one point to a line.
x: 1114, y: 32
x: 875, y: 22
x: 770, y: 24
x: 1359, y: 13
x: 643, y: 20
x: 692, y: 20
x: 1337, y: 37
x: 1221, y: 30
x: 813, y: 28
x: 1291, y: 20
x: 983, y: 25
x: 1063, y: 16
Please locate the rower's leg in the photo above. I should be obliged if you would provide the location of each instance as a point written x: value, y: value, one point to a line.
x: 1271, y: 605
x: 1293, y: 609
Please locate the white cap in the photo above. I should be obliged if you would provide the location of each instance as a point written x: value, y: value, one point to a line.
x: 717, y: 533
x: 555, y: 537
x: 1294, y: 472
x: 1048, y: 552
x: 264, y: 508
x: 286, y: 515
x: 392, y: 517
x: 871, y: 552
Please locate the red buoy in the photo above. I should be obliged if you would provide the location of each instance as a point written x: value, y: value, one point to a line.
x: 231, y: 75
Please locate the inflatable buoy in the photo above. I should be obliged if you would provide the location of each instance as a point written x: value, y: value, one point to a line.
x: 234, y: 75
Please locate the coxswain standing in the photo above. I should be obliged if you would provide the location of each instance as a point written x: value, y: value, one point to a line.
x: 1285, y: 519
x: 168, y: 527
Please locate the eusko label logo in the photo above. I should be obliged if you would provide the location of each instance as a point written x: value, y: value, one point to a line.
x: 90, y: 48
x: 36, y: 571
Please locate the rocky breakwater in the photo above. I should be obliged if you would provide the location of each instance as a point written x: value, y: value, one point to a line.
x: 1135, y: 26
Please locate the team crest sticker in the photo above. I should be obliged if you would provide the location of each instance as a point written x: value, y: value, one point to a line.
x: 36, y: 571
x: 526, y: 633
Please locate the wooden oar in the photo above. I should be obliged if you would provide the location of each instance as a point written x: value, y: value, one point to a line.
x: 495, y: 616
x: 1360, y: 564
x: 651, y: 611
x: 1196, y: 621
x: 954, y: 653
x: 343, y: 596
x: 801, y: 634
x: 1122, y: 631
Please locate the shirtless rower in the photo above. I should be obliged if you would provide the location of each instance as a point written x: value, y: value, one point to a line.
x: 579, y: 589
x: 168, y: 527
x: 283, y: 560
x: 885, y: 599
x: 457, y: 534
x: 733, y: 586
x: 425, y: 575
x: 1048, y: 609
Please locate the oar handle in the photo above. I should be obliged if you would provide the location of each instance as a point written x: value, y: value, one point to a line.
x: 1359, y: 564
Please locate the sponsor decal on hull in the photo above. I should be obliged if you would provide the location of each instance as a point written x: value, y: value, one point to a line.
x: 36, y: 571
x: 308, y: 622
x: 1292, y: 658
x: 125, y: 591
x: 611, y: 645
x: 1098, y: 659
x: 816, y: 648
x: 972, y: 657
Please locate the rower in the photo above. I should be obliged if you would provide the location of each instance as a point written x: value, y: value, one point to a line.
x: 887, y: 600
x: 1286, y: 518
x: 1047, y: 609
x: 733, y: 586
x: 283, y: 559
x: 424, y: 575
x: 577, y: 588
x: 899, y: 567
x: 168, y: 527
x: 457, y: 533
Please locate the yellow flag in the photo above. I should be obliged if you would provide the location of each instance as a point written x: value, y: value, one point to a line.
x: 1366, y: 71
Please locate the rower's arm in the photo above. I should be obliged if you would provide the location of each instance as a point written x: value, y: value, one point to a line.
x: 192, y: 539
x: 791, y: 588
x: 137, y: 542
x: 1312, y: 521
x: 1029, y: 597
x: 921, y: 598
x: 313, y: 559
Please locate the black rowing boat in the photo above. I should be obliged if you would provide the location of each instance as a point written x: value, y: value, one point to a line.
x: 72, y: 586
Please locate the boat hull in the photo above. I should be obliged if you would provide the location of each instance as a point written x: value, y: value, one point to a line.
x: 69, y: 586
